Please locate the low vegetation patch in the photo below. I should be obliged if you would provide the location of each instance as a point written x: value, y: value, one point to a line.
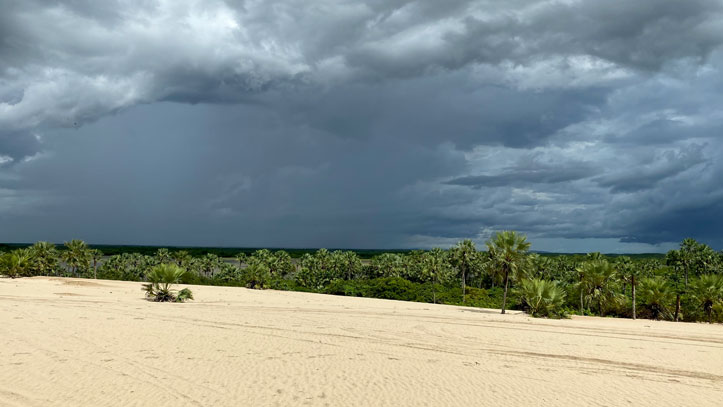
x: 161, y: 280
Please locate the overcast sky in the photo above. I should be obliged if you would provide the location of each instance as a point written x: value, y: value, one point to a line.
x: 587, y: 125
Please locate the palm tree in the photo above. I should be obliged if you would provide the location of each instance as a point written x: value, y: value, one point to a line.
x: 708, y: 291
x: 209, y: 264
x: 435, y: 269
x: 347, y: 264
x: 388, y: 265
x: 656, y: 295
x: 163, y: 256
x: 96, y: 255
x: 44, y: 258
x: 16, y: 263
x: 629, y: 273
x: 537, y: 267
x: 181, y: 257
x: 598, y: 283
x: 256, y: 275
x: 278, y: 263
x: 595, y: 256
x: 508, y: 251
x: 692, y: 258
x: 581, y: 271
x: 76, y: 255
x: 161, y: 279
x: 464, y: 256
x: 543, y: 298
x: 284, y: 265
x: 316, y: 270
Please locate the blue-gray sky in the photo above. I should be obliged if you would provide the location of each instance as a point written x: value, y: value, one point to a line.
x: 587, y: 125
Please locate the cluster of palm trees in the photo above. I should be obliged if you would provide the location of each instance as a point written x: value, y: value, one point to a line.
x: 685, y: 285
x: 43, y: 258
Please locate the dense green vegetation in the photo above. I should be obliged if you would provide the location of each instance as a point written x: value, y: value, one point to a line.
x: 683, y: 285
x: 111, y: 250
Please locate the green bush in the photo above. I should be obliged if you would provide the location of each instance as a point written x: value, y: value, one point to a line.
x: 655, y: 298
x: 542, y: 298
x: 15, y: 264
x: 256, y: 276
x: 707, y: 292
x: 161, y: 279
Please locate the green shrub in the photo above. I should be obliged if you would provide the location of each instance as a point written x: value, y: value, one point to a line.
x: 656, y: 298
x: 707, y: 292
x: 15, y: 264
x: 542, y: 298
x: 161, y: 279
x: 256, y: 276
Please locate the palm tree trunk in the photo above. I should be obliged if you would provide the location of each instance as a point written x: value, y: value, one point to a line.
x: 677, y: 307
x: 686, y: 275
x: 632, y: 288
x: 582, y: 304
x: 464, y: 285
x: 504, y: 296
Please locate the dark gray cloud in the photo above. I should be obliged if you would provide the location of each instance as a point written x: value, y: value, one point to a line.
x: 670, y: 164
x: 366, y: 124
x: 529, y: 172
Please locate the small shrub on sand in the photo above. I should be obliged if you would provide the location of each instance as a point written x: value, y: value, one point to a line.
x: 161, y: 279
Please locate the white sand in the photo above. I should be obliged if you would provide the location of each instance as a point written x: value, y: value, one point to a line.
x: 69, y: 342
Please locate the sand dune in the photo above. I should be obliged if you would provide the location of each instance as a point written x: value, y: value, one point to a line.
x: 68, y: 342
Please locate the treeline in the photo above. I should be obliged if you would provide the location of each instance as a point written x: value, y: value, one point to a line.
x: 228, y: 252
x: 684, y: 285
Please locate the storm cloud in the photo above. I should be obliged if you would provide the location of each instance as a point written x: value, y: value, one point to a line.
x: 361, y: 124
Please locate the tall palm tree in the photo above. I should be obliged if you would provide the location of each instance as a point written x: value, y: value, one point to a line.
x: 388, y: 265
x: 508, y: 251
x: 464, y: 256
x: 44, y: 258
x: 76, y: 255
x: 284, y: 264
x: 96, y: 255
x: 435, y: 269
x: 598, y: 283
x: 347, y: 264
x: 629, y: 273
x: 209, y: 264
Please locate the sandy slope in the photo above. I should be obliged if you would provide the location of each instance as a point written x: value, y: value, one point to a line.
x: 74, y: 342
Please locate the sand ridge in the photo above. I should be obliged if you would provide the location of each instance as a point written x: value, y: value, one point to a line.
x: 71, y: 342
